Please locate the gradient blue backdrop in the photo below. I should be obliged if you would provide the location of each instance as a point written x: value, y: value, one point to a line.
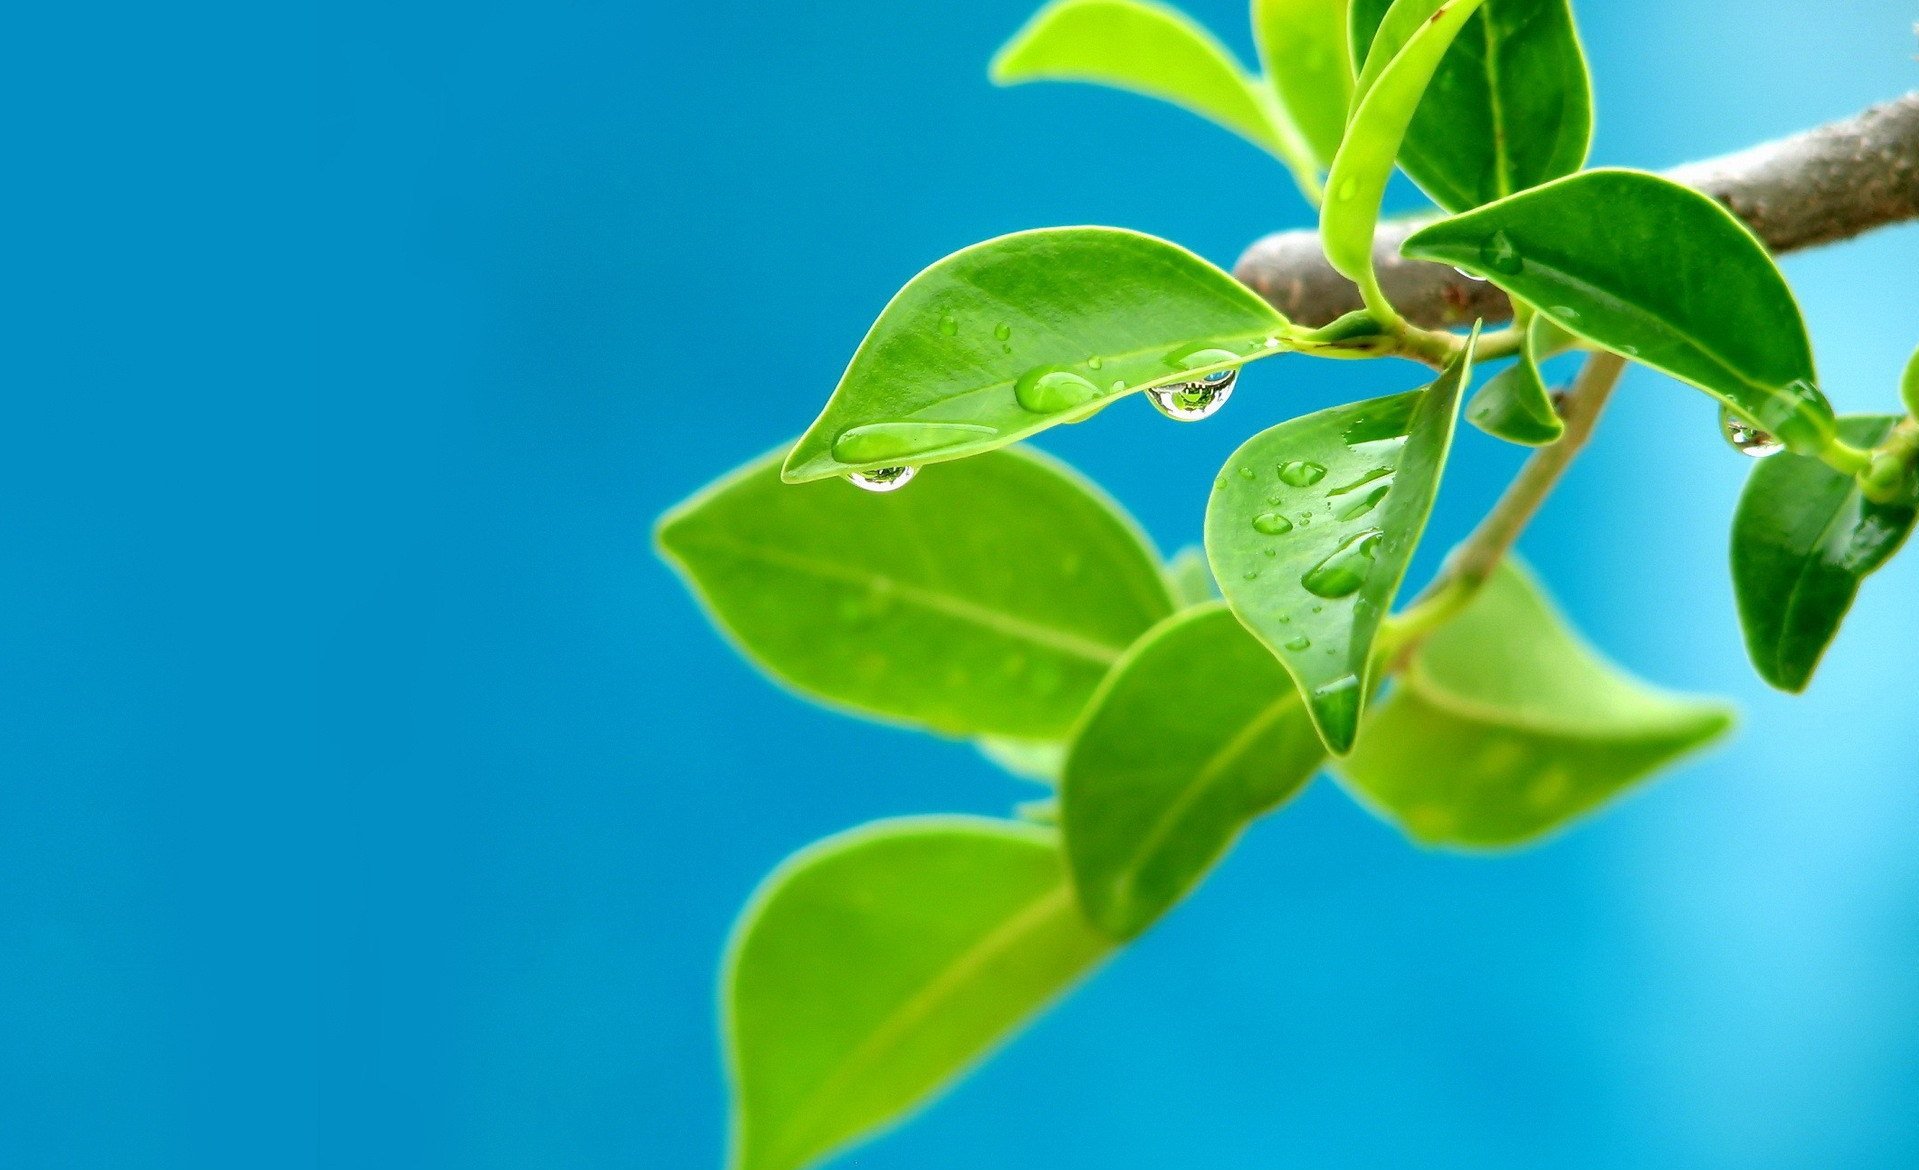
x: 372, y: 797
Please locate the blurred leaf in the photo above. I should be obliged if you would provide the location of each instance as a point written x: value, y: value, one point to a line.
x: 1515, y: 404
x: 1504, y: 726
x: 1310, y: 529
x: 1303, y: 46
x: 1030, y: 759
x: 1656, y: 272
x: 987, y: 598
x: 1510, y: 107
x: 1197, y: 731
x: 873, y: 968
x: 1384, y: 102
x: 1909, y: 387
x: 1191, y: 578
x: 1803, y: 540
x: 1023, y: 332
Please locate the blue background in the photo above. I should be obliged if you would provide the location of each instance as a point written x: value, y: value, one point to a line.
x: 372, y: 796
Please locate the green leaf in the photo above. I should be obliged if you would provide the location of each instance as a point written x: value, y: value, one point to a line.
x: 1909, y: 386
x: 1803, y: 540
x: 1303, y: 47
x: 1385, y: 100
x: 1197, y: 731
x: 1038, y: 760
x: 1310, y: 528
x: 1509, y: 108
x: 1023, y: 332
x: 1505, y: 726
x: 1154, y: 50
x: 874, y: 967
x: 1515, y: 404
x: 1191, y: 578
x: 986, y: 598
x: 1656, y: 272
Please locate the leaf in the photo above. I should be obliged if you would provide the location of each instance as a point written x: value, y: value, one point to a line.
x: 1803, y: 540
x: 1064, y: 319
x: 1153, y: 50
x: 1038, y: 760
x: 1505, y: 726
x: 1384, y: 102
x: 1656, y: 272
x: 1197, y: 731
x: 1509, y: 108
x: 1191, y: 578
x: 876, y: 966
x: 1909, y: 386
x: 1310, y: 528
x: 986, y: 598
x: 1303, y: 47
x: 1515, y: 404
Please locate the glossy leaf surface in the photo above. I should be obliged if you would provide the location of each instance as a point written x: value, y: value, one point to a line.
x: 1656, y: 272
x: 1195, y: 733
x: 1515, y: 404
x: 985, y: 598
x: 1510, y: 106
x: 1505, y: 726
x: 1311, y: 526
x: 1803, y: 540
x: 1024, y: 332
x: 1384, y: 103
x: 1303, y: 46
x: 874, y: 967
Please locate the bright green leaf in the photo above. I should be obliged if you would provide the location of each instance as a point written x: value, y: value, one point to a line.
x: 1385, y: 101
x: 985, y: 598
x: 1310, y: 528
x: 1303, y: 47
x: 1657, y: 272
x: 1023, y: 332
x: 1030, y: 759
x: 1191, y: 578
x: 1505, y: 726
x: 1509, y: 108
x: 1197, y: 731
x: 1803, y: 540
x: 1154, y: 50
x: 1515, y: 405
x: 873, y: 968
x: 1909, y: 386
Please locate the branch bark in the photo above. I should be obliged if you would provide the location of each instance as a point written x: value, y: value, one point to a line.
x: 1827, y: 184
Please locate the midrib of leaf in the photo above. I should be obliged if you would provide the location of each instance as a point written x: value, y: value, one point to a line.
x: 945, y: 604
x: 1502, y: 159
x: 1676, y: 717
x: 920, y: 1005
x: 1803, y: 577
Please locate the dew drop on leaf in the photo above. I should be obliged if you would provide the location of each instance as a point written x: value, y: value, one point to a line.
x: 1002, y: 331
x: 1272, y: 524
x: 1300, y: 643
x: 882, y: 479
x: 1246, y: 473
x: 1345, y: 569
x: 949, y: 325
x: 1745, y: 438
x: 1500, y: 255
x: 1301, y: 474
x: 1050, y: 390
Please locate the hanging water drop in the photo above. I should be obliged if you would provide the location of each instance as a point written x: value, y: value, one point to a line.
x: 1745, y: 438
x: 1346, y: 568
x: 1301, y: 474
x: 1272, y: 524
x: 1192, y: 401
x: 882, y: 479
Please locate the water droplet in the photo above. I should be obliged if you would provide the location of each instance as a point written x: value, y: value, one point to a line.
x: 1300, y: 643
x: 886, y: 442
x: 1002, y: 331
x: 1565, y: 312
x: 1472, y: 276
x: 1745, y: 438
x: 1305, y: 519
x: 1247, y: 473
x: 1251, y: 574
x: 1500, y: 255
x: 1095, y: 362
x: 1272, y: 552
x: 1272, y: 343
x: 1192, y: 401
x: 1275, y: 499
x: 949, y: 325
x: 1050, y: 390
x: 882, y: 479
x: 1118, y: 386
x: 1365, y: 494
x: 1345, y: 569
x: 1219, y: 484
x: 1348, y: 189
x: 1272, y: 524
x: 1338, y: 701
x: 1301, y: 474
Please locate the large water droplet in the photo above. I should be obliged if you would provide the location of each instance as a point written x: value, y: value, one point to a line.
x: 1300, y: 643
x: 1002, y: 331
x: 1272, y: 524
x: 1192, y: 401
x: 886, y: 442
x: 882, y: 479
x: 1745, y: 438
x: 1500, y: 255
x: 1345, y: 569
x: 1095, y: 362
x: 1300, y: 473
x: 1050, y: 390
x: 1361, y: 496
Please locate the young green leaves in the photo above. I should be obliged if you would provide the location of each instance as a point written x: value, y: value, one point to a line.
x: 1311, y: 526
x: 988, y: 598
x: 1515, y: 404
x: 1197, y: 731
x: 1303, y: 46
x: 1909, y: 386
x: 1504, y: 727
x: 876, y: 966
x: 1656, y: 272
x: 1510, y: 107
x: 1803, y: 540
x: 1024, y: 332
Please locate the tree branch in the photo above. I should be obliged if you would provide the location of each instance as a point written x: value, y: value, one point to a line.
x: 1827, y: 184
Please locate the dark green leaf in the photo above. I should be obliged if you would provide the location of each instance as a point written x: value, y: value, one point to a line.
x: 1021, y: 333
x: 1510, y: 107
x: 986, y: 598
x: 1505, y: 726
x: 874, y: 967
x: 1192, y: 578
x: 1515, y: 405
x: 1657, y: 272
x: 1303, y: 46
x: 1310, y: 529
x: 1803, y: 540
